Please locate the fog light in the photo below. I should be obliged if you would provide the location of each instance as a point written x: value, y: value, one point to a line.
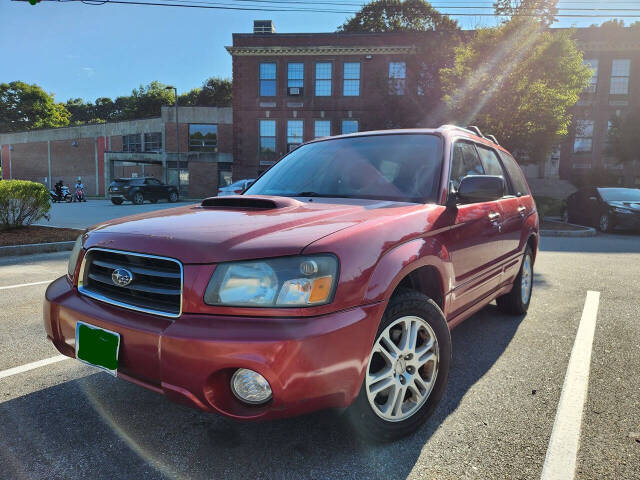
x: 250, y: 386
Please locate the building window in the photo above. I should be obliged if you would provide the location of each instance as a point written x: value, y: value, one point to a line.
x: 153, y: 142
x: 593, y: 81
x: 131, y: 143
x: 203, y: 138
x: 267, y: 136
x: 323, y: 79
x: 295, y: 78
x: 322, y: 128
x: 294, y: 134
x: 267, y: 79
x: 584, y: 136
x: 351, y: 85
x: 620, y: 69
x: 349, y: 126
x: 397, y: 78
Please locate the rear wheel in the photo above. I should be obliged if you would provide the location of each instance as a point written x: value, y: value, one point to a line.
x: 516, y: 302
x: 138, y: 198
x: 116, y: 201
x: 407, y: 370
x: 173, y: 197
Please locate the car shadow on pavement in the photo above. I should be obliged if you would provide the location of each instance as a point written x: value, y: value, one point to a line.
x: 102, y: 427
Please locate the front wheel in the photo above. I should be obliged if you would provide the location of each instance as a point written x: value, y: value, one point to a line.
x: 516, y: 302
x: 138, y: 198
x: 604, y: 224
x: 173, y: 197
x: 407, y: 370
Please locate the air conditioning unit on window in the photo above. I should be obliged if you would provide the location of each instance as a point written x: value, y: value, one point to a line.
x: 295, y: 91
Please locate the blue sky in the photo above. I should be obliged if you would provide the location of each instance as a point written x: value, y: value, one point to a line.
x: 77, y: 50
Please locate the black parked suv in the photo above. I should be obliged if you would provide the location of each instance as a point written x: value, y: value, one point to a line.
x: 138, y: 190
x: 605, y: 208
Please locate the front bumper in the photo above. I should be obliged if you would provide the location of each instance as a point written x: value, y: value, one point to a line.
x: 311, y: 363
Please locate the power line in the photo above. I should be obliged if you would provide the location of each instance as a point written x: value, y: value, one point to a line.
x: 226, y: 6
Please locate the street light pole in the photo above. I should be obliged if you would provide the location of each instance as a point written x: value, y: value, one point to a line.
x: 175, y: 90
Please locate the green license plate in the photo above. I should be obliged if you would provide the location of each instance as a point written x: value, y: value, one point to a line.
x: 98, y: 347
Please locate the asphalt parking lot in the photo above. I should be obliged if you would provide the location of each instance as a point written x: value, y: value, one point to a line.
x: 65, y: 420
x: 92, y: 212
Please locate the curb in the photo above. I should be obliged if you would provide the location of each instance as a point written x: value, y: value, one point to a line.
x: 586, y: 232
x: 31, y: 248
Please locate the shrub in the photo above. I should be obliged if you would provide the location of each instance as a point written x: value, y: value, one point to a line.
x: 550, y: 207
x: 22, y: 203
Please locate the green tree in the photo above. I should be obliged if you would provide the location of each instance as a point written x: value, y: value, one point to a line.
x: 518, y: 82
x: 28, y: 107
x: 622, y: 144
x: 544, y: 11
x: 215, y: 92
x: 398, y: 16
x: 147, y: 101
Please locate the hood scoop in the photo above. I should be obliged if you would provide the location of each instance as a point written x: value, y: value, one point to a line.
x: 245, y: 202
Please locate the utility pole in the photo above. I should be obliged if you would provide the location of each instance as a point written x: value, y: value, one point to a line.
x: 175, y: 90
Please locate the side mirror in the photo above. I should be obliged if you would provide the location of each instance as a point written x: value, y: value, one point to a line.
x: 481, y: 188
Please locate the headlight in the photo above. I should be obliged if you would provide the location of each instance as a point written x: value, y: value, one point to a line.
x: 621, y: 210
x: 299, y: 281
x: 73, y: 258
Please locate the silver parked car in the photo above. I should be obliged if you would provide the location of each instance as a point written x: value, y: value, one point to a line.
x: 236, y: 188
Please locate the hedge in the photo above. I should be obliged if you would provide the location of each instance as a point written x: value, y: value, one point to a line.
x: 22, y: 203
x: 550, y: 207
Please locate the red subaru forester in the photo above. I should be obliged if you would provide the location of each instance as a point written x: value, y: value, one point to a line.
x: 333, y: 281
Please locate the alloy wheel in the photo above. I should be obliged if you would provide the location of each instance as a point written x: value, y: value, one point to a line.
x: 526, y: 279
x: 604, y: 223
x: 402, y: 369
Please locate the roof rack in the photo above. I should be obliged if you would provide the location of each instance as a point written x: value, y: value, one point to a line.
x: 456, y: 127
x: 493, y: 139
x: 475, y: 130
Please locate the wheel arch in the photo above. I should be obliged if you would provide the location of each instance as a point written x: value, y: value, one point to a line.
x: 422, y: 265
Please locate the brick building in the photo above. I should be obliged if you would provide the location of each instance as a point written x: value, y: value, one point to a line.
x: 289, y: 88
x: 614, y: 90
x: 98, y: 153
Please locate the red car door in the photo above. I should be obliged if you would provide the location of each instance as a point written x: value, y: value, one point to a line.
x: 474, y: 240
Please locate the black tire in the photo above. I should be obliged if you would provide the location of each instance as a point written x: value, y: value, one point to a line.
x: 512, y: 302
x: 604, y: 223
x: 68, y: 199
x: 116, y: 201
x: 361, y: 415
x: 138, y: 198
x: 173, y: 197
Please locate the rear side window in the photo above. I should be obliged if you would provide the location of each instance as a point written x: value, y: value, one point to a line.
x: 465, y: 162
x: 517, y: 178
x: 490, y: 162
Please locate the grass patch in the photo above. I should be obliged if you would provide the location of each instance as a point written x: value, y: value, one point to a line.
x: 37, y: 234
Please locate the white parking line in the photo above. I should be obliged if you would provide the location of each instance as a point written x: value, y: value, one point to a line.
x: 32, y: 365
x: 25, y: 284
x: 560, y: 462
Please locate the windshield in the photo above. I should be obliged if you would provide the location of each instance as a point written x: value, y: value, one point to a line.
x: 400, y: 167
x: 620, y: 194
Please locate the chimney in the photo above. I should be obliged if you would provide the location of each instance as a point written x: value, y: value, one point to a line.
x: 263, y: 26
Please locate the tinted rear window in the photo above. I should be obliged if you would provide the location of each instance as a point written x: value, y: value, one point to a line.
x: 518, y: 181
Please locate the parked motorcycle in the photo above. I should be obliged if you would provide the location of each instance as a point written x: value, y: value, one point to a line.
x: 62, y: 196
x: 79, y: 195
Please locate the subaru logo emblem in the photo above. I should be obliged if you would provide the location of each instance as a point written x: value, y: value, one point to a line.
x: 122, y: 277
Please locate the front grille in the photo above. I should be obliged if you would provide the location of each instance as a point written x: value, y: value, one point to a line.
x: 155, y: 287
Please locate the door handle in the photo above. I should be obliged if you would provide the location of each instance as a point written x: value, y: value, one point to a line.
x: 522, y: 210
x: 493, y: 216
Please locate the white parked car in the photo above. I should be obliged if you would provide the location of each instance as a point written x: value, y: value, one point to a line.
x: 236, y: 188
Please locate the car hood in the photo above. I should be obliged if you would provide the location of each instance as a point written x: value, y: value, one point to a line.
x: 635, y: 206
x: 237, y: 230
